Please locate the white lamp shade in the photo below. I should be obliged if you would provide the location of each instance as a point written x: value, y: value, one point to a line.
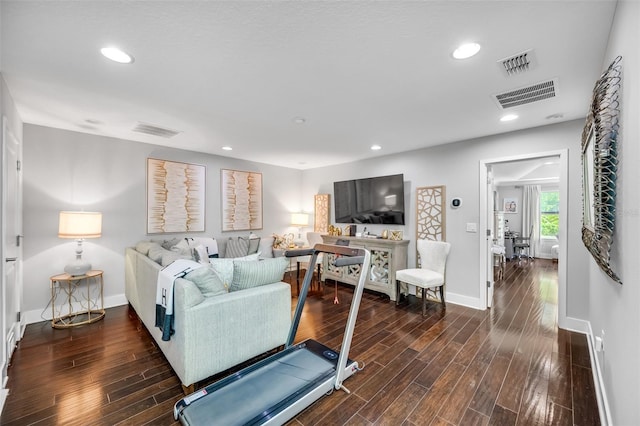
x: 299, y: 219
x: 80, y: 225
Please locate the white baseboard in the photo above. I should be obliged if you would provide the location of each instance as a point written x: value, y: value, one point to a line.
x: 458, y: 299
x: 3, y: 397
x: 598, y: 381
x: 574, y: 324
x: 31, y: 317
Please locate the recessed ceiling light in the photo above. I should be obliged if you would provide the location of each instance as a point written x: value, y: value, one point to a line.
x: 376, y: 147
x: 299, y: 120
x: 227, y: 148
x: 116, y: 55
x: 508, y: 117
x: 466, y: 50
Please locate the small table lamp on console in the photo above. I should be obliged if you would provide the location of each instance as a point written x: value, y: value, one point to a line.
x: 79, y: 225
x: 300, y: 220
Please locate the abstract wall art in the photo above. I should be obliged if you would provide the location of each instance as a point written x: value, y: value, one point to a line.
x: 241, y: 194
x: 175, y: 197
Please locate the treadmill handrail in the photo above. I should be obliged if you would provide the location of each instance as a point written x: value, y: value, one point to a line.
x: 351, y: 320
x: 359, y: 253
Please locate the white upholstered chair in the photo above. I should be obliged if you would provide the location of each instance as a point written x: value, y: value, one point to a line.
x: 430, y: 277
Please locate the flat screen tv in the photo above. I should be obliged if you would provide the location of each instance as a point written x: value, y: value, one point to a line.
x: 378, y: 200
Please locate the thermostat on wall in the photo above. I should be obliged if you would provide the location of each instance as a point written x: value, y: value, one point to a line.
x: 456, y: 202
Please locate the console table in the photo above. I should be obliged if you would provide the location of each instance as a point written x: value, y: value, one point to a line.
x: 387, y: 257
x: 83, y: 304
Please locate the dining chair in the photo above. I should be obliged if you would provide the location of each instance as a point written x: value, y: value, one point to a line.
x: 430, y: 277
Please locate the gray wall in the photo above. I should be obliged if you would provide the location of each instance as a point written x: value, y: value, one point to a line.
x: 613, y: 308
x: 75, y: 171
x: 457, y: 167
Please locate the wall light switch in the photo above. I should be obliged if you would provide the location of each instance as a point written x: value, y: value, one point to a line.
x: 472, y: 227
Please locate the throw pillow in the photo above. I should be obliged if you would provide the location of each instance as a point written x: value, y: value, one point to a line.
x: 155, y: 252
x: 237, y: 247
x: 208, y: 281
x: 224, y: 266
x: 144, y: 246
x: 266, y: 246
x: 253, y: 274
x: 254, y: 243
x: 200, y: 255
x: 168, y: 244
x: 169, y: 257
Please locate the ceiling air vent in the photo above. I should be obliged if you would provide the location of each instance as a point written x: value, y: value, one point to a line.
x: 150, y: 129
x: 518, y: 63
x: 527, y: 95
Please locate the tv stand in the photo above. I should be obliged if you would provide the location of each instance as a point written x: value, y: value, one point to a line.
x: 387, y: 257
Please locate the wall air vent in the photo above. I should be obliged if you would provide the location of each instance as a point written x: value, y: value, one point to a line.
x: 150, y: 129
x: 527, y: 95
x: 518, y: 63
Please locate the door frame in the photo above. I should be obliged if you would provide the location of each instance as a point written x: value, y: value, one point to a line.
x: 485, y: 198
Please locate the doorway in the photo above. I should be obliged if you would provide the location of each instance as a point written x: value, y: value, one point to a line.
x: 488, y: 169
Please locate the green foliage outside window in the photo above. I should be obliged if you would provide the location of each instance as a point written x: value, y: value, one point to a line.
x: 549, y: 218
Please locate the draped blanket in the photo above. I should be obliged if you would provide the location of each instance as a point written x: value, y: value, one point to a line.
x: 164, y: 293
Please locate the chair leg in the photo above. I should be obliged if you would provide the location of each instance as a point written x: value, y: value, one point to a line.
x: 424, y: 302
x: 397, y: 292
x: 442, y: 296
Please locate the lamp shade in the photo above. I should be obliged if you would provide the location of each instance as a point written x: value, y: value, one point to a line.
x: 299, y: 219
x: 80, y: 225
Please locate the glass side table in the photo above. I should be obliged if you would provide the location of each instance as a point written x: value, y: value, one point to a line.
x: 76, y: 299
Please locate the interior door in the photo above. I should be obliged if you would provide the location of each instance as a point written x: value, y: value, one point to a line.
x: 11, y: 245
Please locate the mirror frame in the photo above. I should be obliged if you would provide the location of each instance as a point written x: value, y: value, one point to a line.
x: 600, y: 157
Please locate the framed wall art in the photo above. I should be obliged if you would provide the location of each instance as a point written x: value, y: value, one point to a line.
x: 510, y: 205
x: 241, y: 202
x: 175, y: 197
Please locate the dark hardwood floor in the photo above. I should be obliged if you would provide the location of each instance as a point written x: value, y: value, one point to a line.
x: 505, y: 366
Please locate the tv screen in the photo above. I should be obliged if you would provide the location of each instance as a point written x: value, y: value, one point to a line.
x: 378, y: 200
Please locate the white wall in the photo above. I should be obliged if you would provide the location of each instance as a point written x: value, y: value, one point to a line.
x: 457, y: 167
x: 614, y: 308
x: 71, y: 171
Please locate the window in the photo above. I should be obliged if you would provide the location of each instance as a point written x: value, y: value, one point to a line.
x: 549, y: 217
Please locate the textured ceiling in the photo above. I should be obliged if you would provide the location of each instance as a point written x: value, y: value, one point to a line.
x: 238, y: 73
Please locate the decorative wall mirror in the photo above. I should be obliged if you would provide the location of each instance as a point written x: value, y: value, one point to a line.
x: 599, y: 167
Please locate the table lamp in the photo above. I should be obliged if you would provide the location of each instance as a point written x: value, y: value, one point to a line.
x: 79, y: 225
x: 300, y: 220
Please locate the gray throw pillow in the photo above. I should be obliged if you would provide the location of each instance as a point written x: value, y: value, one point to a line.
x: 155, y: 252
x: 208, y: 281
x: 237, y: 247
x: 254, y: 274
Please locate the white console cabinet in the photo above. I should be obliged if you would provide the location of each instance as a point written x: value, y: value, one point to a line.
x: 387, y: 257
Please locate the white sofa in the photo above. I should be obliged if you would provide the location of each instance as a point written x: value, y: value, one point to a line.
x: 212, y: 334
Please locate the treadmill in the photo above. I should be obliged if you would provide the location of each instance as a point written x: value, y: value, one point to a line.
x: 279, y: 387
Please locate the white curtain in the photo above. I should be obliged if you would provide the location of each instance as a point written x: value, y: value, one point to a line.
x: 531, y: 217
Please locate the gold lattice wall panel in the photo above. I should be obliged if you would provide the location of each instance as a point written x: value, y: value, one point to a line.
x: 431, y: 213
x: 321, y: 216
